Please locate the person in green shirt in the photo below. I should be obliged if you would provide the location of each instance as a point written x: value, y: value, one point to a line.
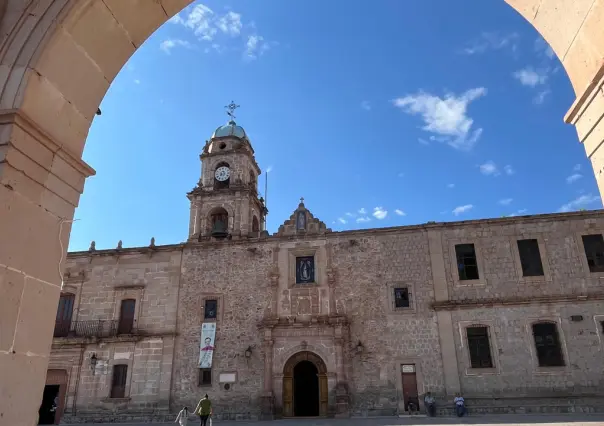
x: 204, y: 409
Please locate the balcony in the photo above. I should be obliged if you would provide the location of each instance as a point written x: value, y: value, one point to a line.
x: 97, y: 328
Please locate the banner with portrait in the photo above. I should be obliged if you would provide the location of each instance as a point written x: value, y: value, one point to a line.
x: 206, y: 352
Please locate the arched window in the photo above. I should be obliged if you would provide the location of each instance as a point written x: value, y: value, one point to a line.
x: 222, y: 175
x: 219, y: 221
x: 255, y: 224
x: 547, y: 345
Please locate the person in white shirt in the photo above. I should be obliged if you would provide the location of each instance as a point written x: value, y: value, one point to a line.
x: 183, y: 417
x: 460, y: 405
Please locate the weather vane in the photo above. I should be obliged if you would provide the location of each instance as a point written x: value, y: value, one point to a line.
x: 231, y: 110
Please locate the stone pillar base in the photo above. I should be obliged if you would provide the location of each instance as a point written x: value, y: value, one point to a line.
x: 342, y: 401
x: 267, y: 407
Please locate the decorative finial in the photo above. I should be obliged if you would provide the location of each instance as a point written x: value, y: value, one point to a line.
x: 92, y: 246
x: 152, y: 242
x: 119, y: 245
x: 231, y: 110
x: 301, y: 200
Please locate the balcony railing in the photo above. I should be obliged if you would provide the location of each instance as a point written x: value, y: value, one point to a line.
x: 98, y: 328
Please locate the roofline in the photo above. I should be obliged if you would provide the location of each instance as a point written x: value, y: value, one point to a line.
x: 388, y: 230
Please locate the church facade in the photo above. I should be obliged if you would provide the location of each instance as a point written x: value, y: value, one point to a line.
x: 311, y: 322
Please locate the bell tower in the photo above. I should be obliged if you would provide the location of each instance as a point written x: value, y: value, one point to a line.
x: 225, y: 202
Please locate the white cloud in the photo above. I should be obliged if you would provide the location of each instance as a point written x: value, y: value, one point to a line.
x: 366, y: 105
x: 450, y: 185
x: 462, y: 209
x: 489, y: 169
x: 362, y: 210
x: 363, y: 219
x: 489, y: 41
x: 230, y: 23
x: 269, y: 169
x: 349, y: 214
x: 505, y: 201
x: 518, y: 213
x: 541, y: 96
x: 255, y: 46
x: 509, y: 170
x: 379, y: 213
x: 579, y: 203
x: 573, y: 178
x: 168, y: 45
x: 577, y: 167
x: 445, y: 117
x: 137, y: 81
x: 342, y: 220
x: 400, y: 212
x: 530, y: 77
x: 208, y: 26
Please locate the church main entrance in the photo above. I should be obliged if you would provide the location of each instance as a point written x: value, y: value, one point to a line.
x: 305, y: 392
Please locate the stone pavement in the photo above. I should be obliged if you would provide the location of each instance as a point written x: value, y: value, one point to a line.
x: 511, y: 420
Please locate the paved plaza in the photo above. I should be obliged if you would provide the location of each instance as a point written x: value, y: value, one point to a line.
x: 510, y: 420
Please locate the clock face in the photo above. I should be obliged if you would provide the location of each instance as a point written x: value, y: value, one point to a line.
x: 222, y: 173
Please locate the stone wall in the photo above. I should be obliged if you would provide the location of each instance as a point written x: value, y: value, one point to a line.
x: 237, y: 276
x: 99, y: 281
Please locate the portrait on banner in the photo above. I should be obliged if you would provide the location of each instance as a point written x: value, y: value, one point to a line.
x: 208, y: 336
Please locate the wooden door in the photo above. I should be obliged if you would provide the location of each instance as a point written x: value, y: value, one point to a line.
x: 64, y: 315
x: 409, y: 379
x: 288, y: 396
x: 58, y: 377
x: 126, y: 323
x: 323, y: 395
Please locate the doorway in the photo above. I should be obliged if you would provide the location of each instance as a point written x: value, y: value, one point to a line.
x: 49, y: 407
x: 410, y: 394
x: 306, y: 390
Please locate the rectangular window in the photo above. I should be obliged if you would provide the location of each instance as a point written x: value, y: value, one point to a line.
x: 64, y: 314
x: 205, y: 376
x: 126, y: 322
x: 594, y: 252
x: 118, y: 384
x: 402, y: 298
x: 305, y: 270
x: 467, y: 264
x: 547, y: 345
x: 479, y: 347
x: 210, y: 310
x: 530, y: 258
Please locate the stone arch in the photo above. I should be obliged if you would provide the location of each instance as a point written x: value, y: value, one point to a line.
x: 288, y: 382
x: 47, y: 109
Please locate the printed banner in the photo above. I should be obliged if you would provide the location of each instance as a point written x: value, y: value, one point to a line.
x: 208, y: 335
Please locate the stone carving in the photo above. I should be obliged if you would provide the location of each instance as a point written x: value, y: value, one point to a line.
x: 302, y: 222
x: 152, y: 244
x: 92, y: 246
x: 119, y: 245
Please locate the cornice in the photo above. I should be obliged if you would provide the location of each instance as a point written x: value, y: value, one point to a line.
x: 514, y: 301
x: 19, y: 118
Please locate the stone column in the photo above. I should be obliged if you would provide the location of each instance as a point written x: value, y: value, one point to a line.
x: 587, y: 115
x: 444, y: 318
x: 267, y: 409
x: 40, y: 186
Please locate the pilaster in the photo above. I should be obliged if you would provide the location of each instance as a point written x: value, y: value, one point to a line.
x: 40, y: 185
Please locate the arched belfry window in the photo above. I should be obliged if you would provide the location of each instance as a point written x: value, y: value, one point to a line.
x: 255, y: 224
x: 222, y: 175
x: 219, y: 220
x: 547, y: 344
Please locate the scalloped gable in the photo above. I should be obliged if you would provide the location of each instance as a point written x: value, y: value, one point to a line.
x: 302, y: 222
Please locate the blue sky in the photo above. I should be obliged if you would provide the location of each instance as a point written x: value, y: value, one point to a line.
x: 394, y: 114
